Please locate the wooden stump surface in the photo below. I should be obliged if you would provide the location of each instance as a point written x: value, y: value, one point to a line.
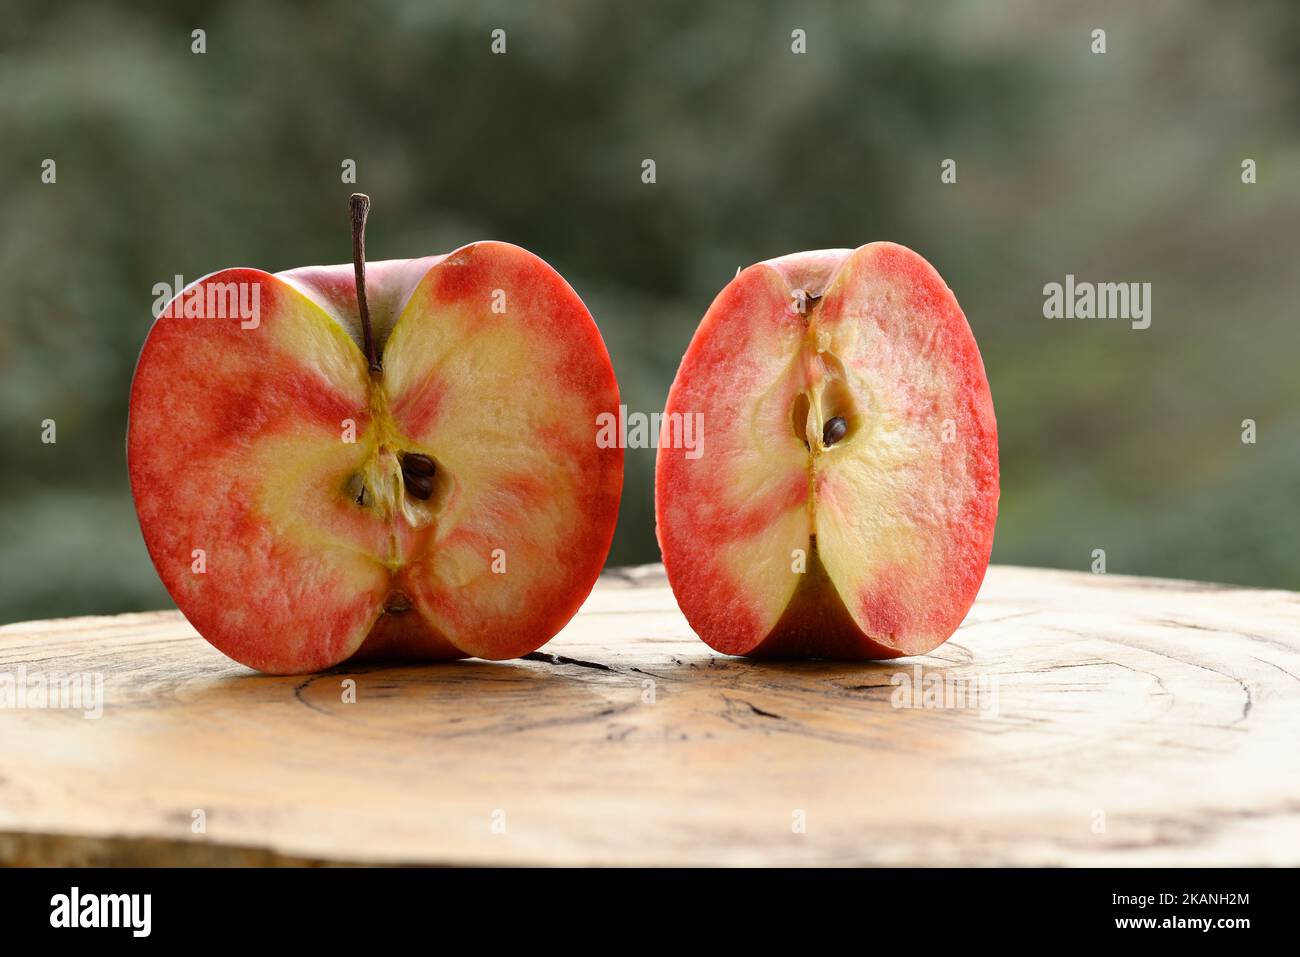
x: 1084, y: 719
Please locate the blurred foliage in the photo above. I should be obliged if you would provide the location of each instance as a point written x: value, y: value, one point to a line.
x: 1122, y: 167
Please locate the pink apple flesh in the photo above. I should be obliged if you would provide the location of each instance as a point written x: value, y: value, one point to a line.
x: 266, y: 461
x: 867, y: 539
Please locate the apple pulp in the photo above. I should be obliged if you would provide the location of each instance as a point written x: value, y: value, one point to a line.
x: 846, y: 501
x: 302, y: 508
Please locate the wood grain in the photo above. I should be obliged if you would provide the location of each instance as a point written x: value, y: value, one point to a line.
x: 1135, y: 722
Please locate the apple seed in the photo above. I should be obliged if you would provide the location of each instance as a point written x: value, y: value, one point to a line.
x: 834, y: 431
x: 396, y: 603
x: 420, y: 465
x: 419, y: 486
x: 418, y: 471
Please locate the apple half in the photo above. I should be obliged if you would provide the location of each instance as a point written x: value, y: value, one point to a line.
x: 844, y: 503
x: 411, y: 473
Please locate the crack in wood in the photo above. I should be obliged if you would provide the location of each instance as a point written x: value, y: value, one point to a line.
x: 552, y: 659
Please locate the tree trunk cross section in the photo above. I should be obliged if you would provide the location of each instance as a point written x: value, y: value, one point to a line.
x: 1074, y: 719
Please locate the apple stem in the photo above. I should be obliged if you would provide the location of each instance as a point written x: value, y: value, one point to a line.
x: 359, y: 204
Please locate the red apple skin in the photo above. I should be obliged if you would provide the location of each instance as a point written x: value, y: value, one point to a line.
x: 904, y: 520
x: 235, y: 447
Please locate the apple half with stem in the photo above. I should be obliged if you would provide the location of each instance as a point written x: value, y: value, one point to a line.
x: 391, y: 461
x: 845, y: 502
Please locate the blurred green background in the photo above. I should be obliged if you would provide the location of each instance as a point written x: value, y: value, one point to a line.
x: 1116, y: 167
